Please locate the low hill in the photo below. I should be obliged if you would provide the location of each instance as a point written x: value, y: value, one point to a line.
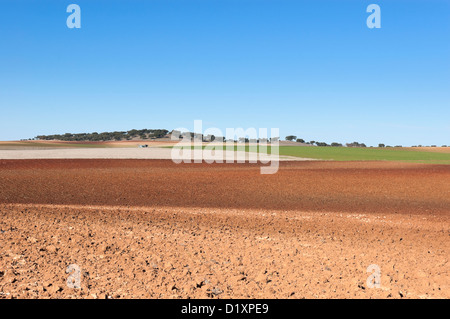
x: 107, y: 136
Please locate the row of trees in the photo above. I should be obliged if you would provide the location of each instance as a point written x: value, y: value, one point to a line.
x: 382, y: 145
x: 355, y: 144
x: 107, y: 136
x: 293, y: 138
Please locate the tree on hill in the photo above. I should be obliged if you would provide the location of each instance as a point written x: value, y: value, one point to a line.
x: 291, y: 137
x: 321, y: 144
x: 355, y: 144
x: 334, y: 144
x: 106, y: 136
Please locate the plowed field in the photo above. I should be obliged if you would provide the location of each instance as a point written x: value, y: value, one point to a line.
x: 152, y: 228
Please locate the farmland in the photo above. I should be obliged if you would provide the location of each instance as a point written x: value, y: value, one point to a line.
x: 155, y: 229
x: 439, y: 155
x: 368, y: 154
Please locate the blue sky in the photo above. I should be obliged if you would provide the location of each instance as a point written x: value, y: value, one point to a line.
x: 310, y: 68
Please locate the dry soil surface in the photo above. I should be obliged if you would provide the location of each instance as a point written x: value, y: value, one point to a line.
x: 149, y: 228
x: 181, y: 155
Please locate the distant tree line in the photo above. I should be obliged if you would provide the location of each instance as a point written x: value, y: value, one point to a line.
x: 294, y: 138
x: 355, y: 144
x: 107, y: 136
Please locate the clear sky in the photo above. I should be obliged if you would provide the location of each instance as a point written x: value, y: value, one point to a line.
x: 310, y: 68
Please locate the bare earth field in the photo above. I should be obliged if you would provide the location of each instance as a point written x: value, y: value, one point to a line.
x: 61, y: 145
x: 153, y: 152
x: 155, y: 229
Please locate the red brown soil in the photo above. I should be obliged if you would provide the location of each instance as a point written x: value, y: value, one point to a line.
x: 376, y: 187
x: 148, y: 228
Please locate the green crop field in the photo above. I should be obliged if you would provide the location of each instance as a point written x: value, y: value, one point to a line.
x: 364, y: 154
x: 360, y: 153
